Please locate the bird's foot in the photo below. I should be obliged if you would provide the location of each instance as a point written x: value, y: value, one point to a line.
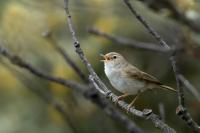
x: 121, y: 97
x: 118, y: 98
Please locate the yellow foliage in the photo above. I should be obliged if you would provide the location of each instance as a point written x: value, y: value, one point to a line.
x: 20, y: 26
x: 185, y: 4
x: 8, y: 80
x: 106, y: 24
x: 55, y: 116
x: 55, y: 17
x: 61, y: 70
x: 100, y: 2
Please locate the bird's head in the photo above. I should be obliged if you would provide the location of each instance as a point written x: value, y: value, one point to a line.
x: 113, y: 59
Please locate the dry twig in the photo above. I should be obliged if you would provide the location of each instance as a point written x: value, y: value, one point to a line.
x: 181, y: 109
x: 176, y: 13
x: 63, y: 53
x: 128, y: 42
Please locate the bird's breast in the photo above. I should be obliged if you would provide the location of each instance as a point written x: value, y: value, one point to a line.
x: 122, y: 83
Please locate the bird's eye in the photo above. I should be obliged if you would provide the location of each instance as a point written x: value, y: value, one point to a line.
x: 114, y: 57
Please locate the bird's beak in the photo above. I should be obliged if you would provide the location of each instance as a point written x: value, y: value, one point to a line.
x: 104, y: 58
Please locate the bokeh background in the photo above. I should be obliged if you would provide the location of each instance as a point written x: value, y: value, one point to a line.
x: 22, y: 25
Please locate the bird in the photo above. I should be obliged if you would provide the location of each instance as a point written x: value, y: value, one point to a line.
x: 127, y: 78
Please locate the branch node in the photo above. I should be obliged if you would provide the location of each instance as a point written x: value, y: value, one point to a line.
x: 180, y: 110
x: 108, y: 94
x: 76, y: 44
x: 147, y: 112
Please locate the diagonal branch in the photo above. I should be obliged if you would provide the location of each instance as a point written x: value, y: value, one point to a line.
x: 105, y: 91
x: 128, y: 42
x: 177, y: 13
x: 47, y: 97
x: 181, y: 109
x: 190, y: 87
x: 69, y: 61
x: 146, y: 113
x: 22, y: 64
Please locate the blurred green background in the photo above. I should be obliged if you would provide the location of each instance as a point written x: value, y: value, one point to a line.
x: 22, y: 24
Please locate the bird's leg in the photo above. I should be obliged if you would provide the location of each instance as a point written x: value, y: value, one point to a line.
x: 131, y: 104
x: 121, y: 97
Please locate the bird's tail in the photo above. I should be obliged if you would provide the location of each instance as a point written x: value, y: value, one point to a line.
x: 168, y: 88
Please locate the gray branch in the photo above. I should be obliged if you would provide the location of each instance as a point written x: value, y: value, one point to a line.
x: 63, y: 53
x: 128, y: 42
x: 181, y: 109
x: 16, y: 60
x: 189, y: 87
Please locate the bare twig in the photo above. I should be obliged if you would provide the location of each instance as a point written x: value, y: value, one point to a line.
x: 63, y: 53
x: 78, y: 49
x: 43, y: 94
x: 48, y: 98
x: 181, y: 16
x: 128, y: 42
x: 162, y: 110
x: 100, y: 85
x: 176, y: 13
x: 181, y: 109
x: 189, y: 87
x: 22, y: 64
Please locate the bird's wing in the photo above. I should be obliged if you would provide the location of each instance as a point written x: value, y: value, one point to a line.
x: 142, y: 76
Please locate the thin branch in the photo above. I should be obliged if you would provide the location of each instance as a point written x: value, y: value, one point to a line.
x: 128, y: 42
x: 113, y: 112
x: 181, y: 16
x: 161, y: 108
x: 48, y: 98
x: 181, y: 109
x: 150, y: 29
x: 16, y: 60
x: 176, y: 13
x: 189, y: 87
x: 43, y: 94
x: 78, y: 49
x: 63, y: 53
x: 98, y: 83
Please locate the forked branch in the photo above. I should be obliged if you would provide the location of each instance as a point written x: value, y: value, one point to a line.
x: 181, y: 109
x: 100, y: 86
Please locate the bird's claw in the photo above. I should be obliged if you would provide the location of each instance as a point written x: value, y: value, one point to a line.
x: 128, y: 109
x: 117, y: 100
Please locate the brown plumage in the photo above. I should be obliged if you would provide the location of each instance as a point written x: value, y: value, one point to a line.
x: 128, y: 79
x: 149, y: 79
